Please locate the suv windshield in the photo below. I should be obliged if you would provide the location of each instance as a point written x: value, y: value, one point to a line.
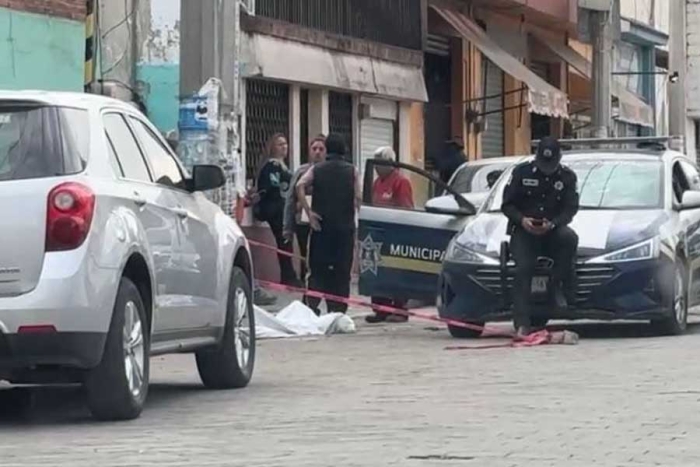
x: 38, y: 141
x: 610, y: 184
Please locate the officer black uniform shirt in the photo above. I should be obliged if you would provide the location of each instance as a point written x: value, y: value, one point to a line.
x: 532, y: 193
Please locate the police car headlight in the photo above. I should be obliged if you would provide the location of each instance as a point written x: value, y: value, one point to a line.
x: 458, y: 253
x: 648, y: 249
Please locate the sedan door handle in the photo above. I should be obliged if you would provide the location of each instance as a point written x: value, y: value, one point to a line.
x: 181, y: 213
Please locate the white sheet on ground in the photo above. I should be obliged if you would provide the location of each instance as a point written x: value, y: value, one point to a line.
x: 296, y: 320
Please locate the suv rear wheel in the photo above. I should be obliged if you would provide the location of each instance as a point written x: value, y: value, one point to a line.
x: 117, y: 388
x: 230, y: 365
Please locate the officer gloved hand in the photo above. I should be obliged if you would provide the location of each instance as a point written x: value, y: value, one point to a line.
x: 534, y: 226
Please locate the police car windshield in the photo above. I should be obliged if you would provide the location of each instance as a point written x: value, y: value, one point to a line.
x: 474, y: 178
x: 609, y: 184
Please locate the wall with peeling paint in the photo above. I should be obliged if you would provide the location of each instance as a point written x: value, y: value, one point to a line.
x: 41, y: 52
x: 158, y: 70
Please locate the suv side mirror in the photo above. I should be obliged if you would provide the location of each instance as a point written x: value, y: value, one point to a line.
x: 207, y: 177
x: 691, y: 200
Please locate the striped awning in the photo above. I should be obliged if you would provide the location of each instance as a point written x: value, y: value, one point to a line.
x: 543, y: 98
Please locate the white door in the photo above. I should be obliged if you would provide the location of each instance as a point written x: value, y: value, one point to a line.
x: 374, y: 133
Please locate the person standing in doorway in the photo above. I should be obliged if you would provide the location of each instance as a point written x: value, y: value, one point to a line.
x: 273, y: 183
x: 293, y: 223
x: 335, y: 184
x: 390, y: 189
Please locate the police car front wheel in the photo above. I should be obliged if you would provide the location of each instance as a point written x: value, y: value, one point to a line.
x: 462, y: 332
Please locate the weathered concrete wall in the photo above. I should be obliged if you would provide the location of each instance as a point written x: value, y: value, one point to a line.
x: 693, y: 54
x: 40, y: 51
x: 158, y: 70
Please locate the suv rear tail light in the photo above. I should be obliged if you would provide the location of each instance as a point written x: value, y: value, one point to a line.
x: 69, y: 216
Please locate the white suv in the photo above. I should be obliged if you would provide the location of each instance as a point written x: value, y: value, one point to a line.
x: 110, y: 254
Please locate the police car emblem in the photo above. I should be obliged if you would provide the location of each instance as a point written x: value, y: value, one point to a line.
x: 370, y: 255
x: 559, y: 185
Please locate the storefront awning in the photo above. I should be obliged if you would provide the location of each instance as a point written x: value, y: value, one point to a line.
x: 632, y: 109
x: 543, y: 98
x: 274, y: 58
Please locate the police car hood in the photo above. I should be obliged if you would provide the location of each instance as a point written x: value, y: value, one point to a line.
x: 599, y: 231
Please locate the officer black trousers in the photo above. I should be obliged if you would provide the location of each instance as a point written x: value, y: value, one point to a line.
x: 331, y: 254
x: 560, y: 245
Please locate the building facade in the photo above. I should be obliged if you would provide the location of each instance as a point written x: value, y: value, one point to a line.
x: 492, y: 80
x: 43, y: 44
x: 314, y: 67
x: 686, y: 23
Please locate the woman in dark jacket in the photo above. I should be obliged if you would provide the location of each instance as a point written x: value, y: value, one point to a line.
x: 273, y: 184
x: 292, y: 208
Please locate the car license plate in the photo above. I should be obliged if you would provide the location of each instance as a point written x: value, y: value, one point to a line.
x: 539, y: 284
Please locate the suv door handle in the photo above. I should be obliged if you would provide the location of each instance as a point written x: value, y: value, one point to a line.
x: 181, y: 213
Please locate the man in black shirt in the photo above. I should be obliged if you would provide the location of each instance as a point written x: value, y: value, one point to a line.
x: 332, y: 216
x: 540, y: 201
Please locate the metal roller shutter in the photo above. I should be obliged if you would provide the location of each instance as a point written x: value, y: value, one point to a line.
x: 374, y: 133
x: 492, y: 139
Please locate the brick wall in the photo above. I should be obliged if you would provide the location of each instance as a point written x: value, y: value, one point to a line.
x: 71, y: 9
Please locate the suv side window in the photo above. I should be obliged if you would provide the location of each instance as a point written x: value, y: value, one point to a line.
x: 166, y: 171
x: 691, y: 174
x: 126, y: 148
x: 113, y: 160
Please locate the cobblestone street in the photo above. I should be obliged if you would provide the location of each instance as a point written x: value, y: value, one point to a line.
x: 392, y: 395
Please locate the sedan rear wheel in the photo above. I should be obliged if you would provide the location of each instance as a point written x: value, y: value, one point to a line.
x: 677, y: 322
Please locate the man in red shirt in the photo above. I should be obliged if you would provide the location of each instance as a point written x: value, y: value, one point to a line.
x: 390, y: 189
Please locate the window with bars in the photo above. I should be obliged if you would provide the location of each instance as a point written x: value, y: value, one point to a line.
x: 304, y: 126
x: 340, y: 118
x: 392, y: 22
x: 267, y: 113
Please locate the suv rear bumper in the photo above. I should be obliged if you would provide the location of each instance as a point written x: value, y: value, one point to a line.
x: 81, y: 350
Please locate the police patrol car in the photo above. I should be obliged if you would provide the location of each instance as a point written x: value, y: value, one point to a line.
x: 401, y: 250
x: 638, y: 256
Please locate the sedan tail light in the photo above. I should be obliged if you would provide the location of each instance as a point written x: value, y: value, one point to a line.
x: 69, y: 216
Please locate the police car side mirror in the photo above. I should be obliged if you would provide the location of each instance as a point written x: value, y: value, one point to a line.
x: 450, y: 205
x: 691, y: 200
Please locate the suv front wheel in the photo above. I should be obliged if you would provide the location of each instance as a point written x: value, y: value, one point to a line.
x: 230, y: 365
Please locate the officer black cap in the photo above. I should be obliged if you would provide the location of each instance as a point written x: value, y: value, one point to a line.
x: 548, y: 155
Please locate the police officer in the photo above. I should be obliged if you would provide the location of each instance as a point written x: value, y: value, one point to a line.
x: 540, y: 200
x: 336, y: 198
